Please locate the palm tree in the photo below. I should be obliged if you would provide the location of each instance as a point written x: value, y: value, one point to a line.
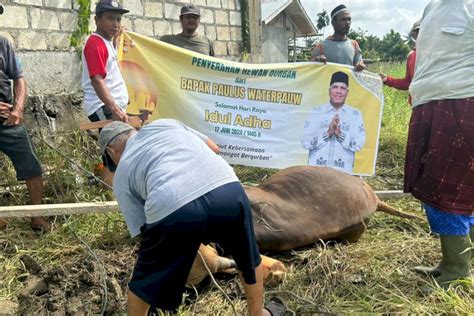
x: 323, y: 20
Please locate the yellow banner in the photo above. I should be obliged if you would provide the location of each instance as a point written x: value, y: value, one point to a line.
x: 265, y: 115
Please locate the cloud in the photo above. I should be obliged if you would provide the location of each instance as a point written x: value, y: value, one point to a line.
x: 377, y: 17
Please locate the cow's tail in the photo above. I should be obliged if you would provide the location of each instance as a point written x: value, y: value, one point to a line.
x: 384, y: 207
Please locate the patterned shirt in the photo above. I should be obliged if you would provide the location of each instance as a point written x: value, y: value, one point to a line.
x: 337, y: 151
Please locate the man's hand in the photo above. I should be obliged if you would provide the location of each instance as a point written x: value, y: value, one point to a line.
x: 11, y: 116
x: 119, y: 115
x: 359, y: 66
x: 214, y: 147
x: 383, y: 77
x: 5, y: 110
x: 321, y: 58
x: 334, y: 126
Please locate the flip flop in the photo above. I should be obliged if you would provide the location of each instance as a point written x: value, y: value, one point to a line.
x: 275, y: 306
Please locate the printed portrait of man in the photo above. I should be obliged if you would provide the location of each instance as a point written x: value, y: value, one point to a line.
x: 334, y: 132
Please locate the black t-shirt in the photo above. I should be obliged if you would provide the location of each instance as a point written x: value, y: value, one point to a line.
x: 10, y: 69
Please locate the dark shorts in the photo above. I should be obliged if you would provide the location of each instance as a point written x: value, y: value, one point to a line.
x: 17, y: 145
x: 168, y: 247
x: 100, y: 115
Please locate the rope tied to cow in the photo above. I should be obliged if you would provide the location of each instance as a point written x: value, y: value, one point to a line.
x: 261, y: 219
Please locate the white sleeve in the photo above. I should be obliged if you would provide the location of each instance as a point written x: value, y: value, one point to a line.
x: 355, y: 139
x: 315, y: 136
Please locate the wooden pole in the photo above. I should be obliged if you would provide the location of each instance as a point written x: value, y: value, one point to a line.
x: 101, y: 207
x: 391, y: 194
x: 57, y: 209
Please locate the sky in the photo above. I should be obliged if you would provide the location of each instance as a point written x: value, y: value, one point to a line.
x: 375, y: 16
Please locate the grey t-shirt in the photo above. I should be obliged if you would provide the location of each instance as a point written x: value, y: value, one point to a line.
x: 199, y: 43
x: 345, y: 52
x: 10, y: 69
x: 165, y: 166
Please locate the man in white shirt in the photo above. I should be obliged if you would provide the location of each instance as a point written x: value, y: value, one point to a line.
x: 335, y: 131
x: 104, y: 88
x: 105, y: 93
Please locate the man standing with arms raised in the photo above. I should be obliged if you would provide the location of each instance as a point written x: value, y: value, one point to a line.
x: 338, y: 48
x: 189, y: 38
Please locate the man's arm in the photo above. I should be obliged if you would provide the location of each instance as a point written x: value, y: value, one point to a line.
x: 104, y: 95
x: 358, y: 60
x: 318, y: 54
x: 213, y: 145
x: 209, y: 142
x: 16, y: 114
x: 402, y: 83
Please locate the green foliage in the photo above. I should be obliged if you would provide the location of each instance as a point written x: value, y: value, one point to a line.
x: 359, y: 35
x: 244, y: 16
x: 392, y: 47
x: 323, y: 20
x: 82, y: 29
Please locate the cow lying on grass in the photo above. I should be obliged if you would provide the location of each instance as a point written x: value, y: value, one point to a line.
x: 298, y: 206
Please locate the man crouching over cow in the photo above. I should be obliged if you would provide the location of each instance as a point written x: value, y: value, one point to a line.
x: 176, y: 193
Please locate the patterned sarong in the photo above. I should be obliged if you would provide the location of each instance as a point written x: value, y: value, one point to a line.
x: 439, y: 162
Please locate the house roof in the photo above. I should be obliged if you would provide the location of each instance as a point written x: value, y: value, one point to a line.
x: 294, y: 10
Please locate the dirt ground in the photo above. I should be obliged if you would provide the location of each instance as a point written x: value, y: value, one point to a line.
x: 76, y: 287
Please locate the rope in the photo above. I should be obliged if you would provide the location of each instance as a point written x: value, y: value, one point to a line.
x: 217, y: 285
x: 73, y: 162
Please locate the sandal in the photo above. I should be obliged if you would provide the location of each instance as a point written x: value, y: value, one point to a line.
x: 275, y: 306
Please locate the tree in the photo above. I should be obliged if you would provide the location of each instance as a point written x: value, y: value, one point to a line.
x: 323, y: 20
x: 393, y: 47
x: 359, y: 35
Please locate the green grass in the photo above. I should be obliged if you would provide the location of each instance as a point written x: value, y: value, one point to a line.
x: 371, y: 276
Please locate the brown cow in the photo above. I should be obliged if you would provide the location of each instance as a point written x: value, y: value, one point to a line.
x: 300, y: 205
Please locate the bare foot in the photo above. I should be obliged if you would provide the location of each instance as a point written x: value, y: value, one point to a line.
x: 40, y: 223
x: 3, y: 223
